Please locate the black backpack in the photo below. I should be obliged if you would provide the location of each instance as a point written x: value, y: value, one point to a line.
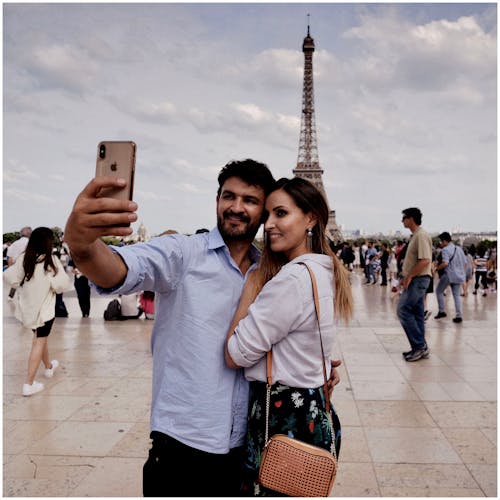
x: 113, y: 311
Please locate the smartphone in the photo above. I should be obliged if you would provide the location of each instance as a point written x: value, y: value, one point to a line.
x: 116, y: 159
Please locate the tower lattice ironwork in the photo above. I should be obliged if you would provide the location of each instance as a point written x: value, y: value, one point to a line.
x: 308, y: 166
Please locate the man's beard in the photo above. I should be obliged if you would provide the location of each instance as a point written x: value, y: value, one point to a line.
x: 230, y: 233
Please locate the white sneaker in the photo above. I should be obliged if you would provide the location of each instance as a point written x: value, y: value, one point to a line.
x: 49, y: 372
x: 29, y: 390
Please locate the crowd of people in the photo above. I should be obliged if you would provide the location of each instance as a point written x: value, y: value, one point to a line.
x: 218, y: 300
x: 381, y: 262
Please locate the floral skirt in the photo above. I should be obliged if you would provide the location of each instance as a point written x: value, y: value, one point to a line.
x: 297, y: 412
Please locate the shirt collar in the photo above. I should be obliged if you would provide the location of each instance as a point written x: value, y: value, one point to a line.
x: 215, y: 241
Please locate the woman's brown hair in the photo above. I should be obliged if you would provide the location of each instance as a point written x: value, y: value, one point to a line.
x: 39, y: 249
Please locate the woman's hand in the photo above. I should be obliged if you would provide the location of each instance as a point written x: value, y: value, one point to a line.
x: 334, y: 376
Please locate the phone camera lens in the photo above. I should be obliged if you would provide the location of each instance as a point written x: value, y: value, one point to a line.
x: 102, y: 151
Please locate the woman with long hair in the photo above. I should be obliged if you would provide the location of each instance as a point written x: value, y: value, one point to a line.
x: 277, y: 311
x: 39, y: 275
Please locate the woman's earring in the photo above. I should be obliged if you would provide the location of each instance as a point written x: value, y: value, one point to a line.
x: 309, y: 241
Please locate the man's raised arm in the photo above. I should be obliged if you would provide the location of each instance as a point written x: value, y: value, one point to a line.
x: 90, y: 219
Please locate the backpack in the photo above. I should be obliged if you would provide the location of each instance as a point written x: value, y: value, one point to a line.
x: 113, y: 311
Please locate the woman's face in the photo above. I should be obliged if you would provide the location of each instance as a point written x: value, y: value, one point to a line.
x: 286, y: 225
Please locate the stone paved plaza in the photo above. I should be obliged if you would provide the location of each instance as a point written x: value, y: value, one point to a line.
x: 409, y: 429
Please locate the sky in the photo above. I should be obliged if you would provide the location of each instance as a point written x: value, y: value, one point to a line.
x: 405, y: 103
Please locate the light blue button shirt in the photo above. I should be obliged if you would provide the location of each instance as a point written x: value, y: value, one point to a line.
x: 197, y: 399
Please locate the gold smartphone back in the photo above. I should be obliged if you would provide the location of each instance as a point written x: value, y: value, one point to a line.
x: 117, y: 159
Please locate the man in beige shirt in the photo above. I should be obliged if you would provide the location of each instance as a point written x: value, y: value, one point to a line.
x: 417, y: 275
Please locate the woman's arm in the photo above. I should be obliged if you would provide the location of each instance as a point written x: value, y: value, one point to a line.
x: 60, y: 281
x: 247, y: 297
x: 14, y: 274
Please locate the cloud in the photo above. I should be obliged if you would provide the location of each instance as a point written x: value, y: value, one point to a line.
x: 16, y: 102
x: 288, y: 123
x: 185, y: 168
x: 238, y: 117
x: 16, y: 172
x: 57, y: 178
x: 62, y: 67
x: 161, y: 112
x: 251, y: 114
x: 28, y: 196
x: 187, y: 187
x: 437, y: 56
x: 206, y: 121
x: 142, y: 195
x: 274, y: 68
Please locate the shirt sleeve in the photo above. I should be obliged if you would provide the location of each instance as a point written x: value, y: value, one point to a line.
x: 445, y: 254
x: 14, y: 274
x: 424, y: 249
x: 270, y: 318
x: 156, y: 265
x: 60, y: 282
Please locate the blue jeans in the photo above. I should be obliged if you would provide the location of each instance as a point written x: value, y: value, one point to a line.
x: 371, y: 274
x: 455, y: 290
x: 411, y: 311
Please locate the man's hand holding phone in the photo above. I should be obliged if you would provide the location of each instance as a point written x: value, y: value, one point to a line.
x: 93, y: 217
x: 101, y: 210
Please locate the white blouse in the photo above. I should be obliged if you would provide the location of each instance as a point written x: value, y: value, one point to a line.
x: 283, y: 317
x: 36, y: 299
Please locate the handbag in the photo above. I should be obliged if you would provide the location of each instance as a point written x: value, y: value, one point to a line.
x: 290, y: 466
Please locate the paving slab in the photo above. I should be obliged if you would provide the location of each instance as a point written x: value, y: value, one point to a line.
x: 424, y: 429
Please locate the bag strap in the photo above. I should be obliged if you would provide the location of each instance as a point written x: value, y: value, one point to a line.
x: 269, y: 365
x: 316, y: 307
x: 449, y: 262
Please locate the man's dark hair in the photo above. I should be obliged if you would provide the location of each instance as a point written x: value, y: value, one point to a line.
x: 414, y: 213
x: 250, y: 171
x: 445, y: 236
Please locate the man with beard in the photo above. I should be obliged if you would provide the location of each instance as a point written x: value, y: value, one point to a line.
x: 199, y: 406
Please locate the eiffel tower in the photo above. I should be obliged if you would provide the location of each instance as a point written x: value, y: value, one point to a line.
x: 308, y: 166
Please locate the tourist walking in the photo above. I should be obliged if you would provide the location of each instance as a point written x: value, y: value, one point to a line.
x: 38, y: 275
x: 384, y: 263
x: 469, y: 271
x: 82, y: 288
x: 480, y: 264
x: 453, y: 263
x: 416, y: 272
